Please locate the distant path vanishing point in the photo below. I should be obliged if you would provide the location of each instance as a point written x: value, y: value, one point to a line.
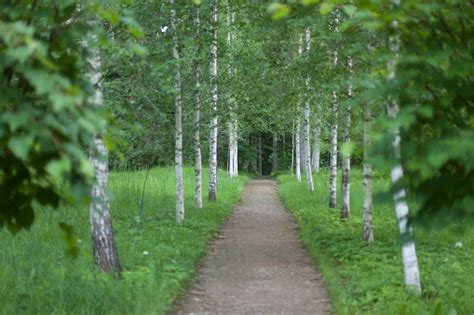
x: 257, y: 265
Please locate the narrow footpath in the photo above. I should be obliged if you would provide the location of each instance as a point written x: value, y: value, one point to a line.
x: 257, y: 264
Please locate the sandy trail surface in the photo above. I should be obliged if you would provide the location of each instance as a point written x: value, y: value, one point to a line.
x: 257, y: 264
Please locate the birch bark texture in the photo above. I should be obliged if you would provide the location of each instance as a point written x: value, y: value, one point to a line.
x: 306, y: 118
x: 104, y: 247
x: 410, y: 260
x: 297, y: 150
x: 197, y: 112
x: 334, y: 125
x: 368, y: 231
x: 178, y: 115
x: 346, y: 159
x: 212, y: 193
x: 233, y: 121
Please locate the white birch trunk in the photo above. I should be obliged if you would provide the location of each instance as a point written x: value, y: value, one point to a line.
x: 212, y: 194
x: 197, y: 113
x: 346, y: 161
x: 104, y: 247
x: 316, y: 156
x: 297, y: 151
x: 275, y: 153
x: 333, y: 160
x: 178, y: 153
x: 410, y: 261
x: 292, y: 147
x: 368, y: 231
x: 306, y: 114
x: 233, y: 122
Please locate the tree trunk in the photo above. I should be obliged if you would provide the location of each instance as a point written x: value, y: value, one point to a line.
x: 306, y: 114
x: 297, y: 151
x: 316, y: 156
x: 292, y: 147
x: 104, y: 247
x: 275, y: 153
x: 333, y: 161
x: 178, y: 153
x: 260, y: 157
x: 212, y: 195
x: 233, y: 122
x: 346, y: 161
x: 197, y: 113
x: 368, y: 231
x: 410, y: 261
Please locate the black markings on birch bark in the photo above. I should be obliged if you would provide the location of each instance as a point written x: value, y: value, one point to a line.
x: 178, y: 155
x: 212, y: 193
x: 306, y: 123
x: 104, y: 247
x: 368, y: 231
x: 197, y: 112
x: 346, y: 159
x: 410, y: 261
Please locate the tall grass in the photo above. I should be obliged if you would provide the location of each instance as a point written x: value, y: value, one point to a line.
x: 36, y: 277
x: 368, y: 278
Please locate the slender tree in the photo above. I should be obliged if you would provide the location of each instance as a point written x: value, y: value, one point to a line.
x: 306, y: 115
x: 368, y: 231
x: 297, y: 150
x: 178, y: 155
x: 410, y: 260
x: 233, y: 122
x: 346, y: 161
x: 212, y: 195
x: 104, y: 247
x: 275, y: 152
x: 197, y: 111
x: 335, y: 105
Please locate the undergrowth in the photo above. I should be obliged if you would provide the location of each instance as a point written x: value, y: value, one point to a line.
x: 36, y: 277
x: 368, y: 278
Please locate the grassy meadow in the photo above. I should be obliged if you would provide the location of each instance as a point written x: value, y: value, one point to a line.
x: 368, y: 278
x: 36, y: 277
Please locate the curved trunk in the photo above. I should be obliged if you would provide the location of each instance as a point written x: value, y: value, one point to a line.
x: 197, y: 114
x: 104, y: 247
x: 212, y: 194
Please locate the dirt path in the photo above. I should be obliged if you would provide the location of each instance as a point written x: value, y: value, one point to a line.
x: 257, y: 264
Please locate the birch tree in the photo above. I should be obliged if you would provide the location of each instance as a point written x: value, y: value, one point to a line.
x: 297, y: 150
x: 178, y: 154
x: 212, y: 194
x: 197, y: 112
x: 333, y: 136
x: 307, y: 129
x: 368, y: 231
x: 104, y: 247
x: 233, y: 122
x: 410, y: 260
x: 346, y: 161
x: 316, y: 155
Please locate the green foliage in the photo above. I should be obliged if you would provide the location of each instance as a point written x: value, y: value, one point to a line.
x: 368, y: 278
x: 159, y: 262
x: 45, y: 120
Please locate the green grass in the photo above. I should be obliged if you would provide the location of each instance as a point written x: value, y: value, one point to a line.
x: 36, y: 277
x: 368, y: 278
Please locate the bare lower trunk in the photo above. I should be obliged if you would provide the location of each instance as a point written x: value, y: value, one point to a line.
x: 103, y: 241
x: 346, y: 161
x: 410, y: 261
x: 178, y: 153
x: 197, y: 114
x: 297, y: 151
x: 368, y: 231
x: 307, y: 129
x: 275, y: 153
x: 233, y: 130
x: 292, y: 147
x: 333, y: 161
x: 316, y: 156
x: 212, y: 195
x: 260, y: 162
